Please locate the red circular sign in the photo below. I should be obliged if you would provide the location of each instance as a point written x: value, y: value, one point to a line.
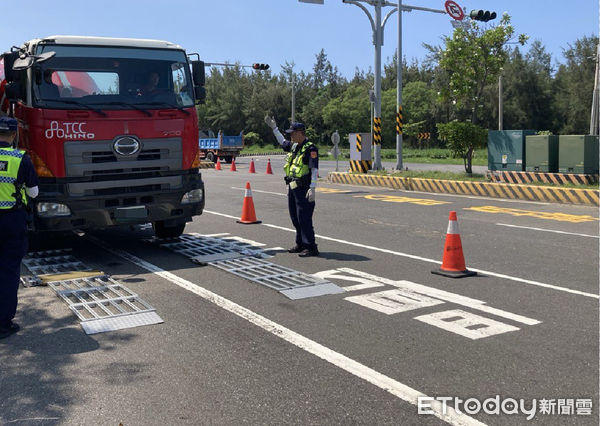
x: 454, y: 10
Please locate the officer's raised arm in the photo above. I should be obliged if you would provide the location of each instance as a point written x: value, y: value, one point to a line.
x: 270, y: 121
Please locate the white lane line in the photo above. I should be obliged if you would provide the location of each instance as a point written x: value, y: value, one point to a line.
x: 548, y: 230
x: 425, y: 259
x: 258, y: 190
x: 400, y: 390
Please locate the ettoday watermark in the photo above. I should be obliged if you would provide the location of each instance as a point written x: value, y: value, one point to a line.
x: 506, y: 406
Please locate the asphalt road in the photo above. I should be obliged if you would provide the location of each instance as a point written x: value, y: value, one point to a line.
x: 231, y: 351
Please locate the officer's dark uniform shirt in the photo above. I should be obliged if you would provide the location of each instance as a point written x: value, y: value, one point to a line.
x: 311, y: 155
x: 26, y: 174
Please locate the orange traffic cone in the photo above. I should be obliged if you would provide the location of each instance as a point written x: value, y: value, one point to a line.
x: 269, y: 169
x: 251, y: 169
x: 218, y: 165
x: 248, y: 214
x: 453, y: 261
x: 233, y: 168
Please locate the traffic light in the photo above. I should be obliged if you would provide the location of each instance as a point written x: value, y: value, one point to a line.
x: 482, y: 15
x: 261, y: 67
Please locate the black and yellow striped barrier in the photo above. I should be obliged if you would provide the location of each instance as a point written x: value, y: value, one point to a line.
x: 424, y: 135
x: 528, y: 177
x: 206, y: 165
x: 482, y: 189
x: 358, y: 142
x: 399, y: 122
x: 377, y: 131
x: 361, y: 166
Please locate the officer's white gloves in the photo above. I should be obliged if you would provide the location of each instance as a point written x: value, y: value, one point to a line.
x: 310, y: 194
x: 273, y: 125
x: 270, y: 122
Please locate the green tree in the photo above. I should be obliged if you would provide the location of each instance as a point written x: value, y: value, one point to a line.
x: 462, y: 138
x: 473, y: 58
x: 574, y: 87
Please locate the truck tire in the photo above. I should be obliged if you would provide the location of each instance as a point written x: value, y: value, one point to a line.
x: 210, y: 156
x: 162, y: 231
x: 227, y: 159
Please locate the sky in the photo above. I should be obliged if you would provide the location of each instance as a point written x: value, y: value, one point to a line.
x: 279, y: 31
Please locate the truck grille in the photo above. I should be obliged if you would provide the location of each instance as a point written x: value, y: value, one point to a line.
x: 104, y: 172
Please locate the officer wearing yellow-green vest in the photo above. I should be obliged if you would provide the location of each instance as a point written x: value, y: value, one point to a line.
x: 17, y: 181
x: 301, y: 172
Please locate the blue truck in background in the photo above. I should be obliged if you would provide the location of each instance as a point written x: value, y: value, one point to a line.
x: 226, y: 148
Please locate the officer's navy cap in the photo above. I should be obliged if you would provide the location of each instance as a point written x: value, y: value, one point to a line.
x: 8, y: 124
x: 296, y: 126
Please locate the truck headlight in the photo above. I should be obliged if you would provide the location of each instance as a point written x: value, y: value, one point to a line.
x: 52, y: 209
x: 193, y: 196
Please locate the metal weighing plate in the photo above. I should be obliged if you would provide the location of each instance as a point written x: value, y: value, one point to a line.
x: 290, y: 283
x: 208, y: 249
x: 100, y: 302
x: 53, y: 264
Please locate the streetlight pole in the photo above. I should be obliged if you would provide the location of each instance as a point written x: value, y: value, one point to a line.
x: 293, y: 97
x: 399, y: 117
x: 377, y: 25
x: 500, y: 104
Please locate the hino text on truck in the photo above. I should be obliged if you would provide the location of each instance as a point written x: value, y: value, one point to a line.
x: 111, y: 127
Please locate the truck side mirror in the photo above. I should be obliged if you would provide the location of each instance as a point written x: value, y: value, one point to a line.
x: 9, y: 60
x: 13, y: 90
x: 200, y: 94
x: 198, y: 73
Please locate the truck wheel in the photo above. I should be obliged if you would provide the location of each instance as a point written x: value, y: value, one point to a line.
x: 162, y: 231
x: 210, y: 156
x: 227, y: 159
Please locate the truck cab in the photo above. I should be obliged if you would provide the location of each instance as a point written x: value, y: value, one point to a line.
x: 111, y: 127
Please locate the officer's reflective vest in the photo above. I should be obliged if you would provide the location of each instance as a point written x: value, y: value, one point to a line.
x: 10, y: 195
x: 294, y: 166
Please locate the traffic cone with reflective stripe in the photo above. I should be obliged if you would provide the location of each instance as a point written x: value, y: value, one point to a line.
x: 248, y: 213
x: 251, y: 169
x: 218, y: 165
x: 269, y: 169
x: 233, y: 168
x: 453, y: 261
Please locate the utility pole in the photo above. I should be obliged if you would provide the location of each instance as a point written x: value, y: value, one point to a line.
x: 500, y: 105
x: 293, y: 97
x: 399, y: 115
x: 377, y: 27
x: 595, y: 118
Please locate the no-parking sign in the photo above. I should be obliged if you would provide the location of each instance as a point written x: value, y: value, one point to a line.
x: 454, y: 10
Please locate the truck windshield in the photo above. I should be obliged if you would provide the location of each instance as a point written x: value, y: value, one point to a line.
x: 113, y: 78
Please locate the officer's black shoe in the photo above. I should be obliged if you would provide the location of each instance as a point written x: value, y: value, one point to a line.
x: 10, y: 330
x: 296, y: 249
x: 309, y: 252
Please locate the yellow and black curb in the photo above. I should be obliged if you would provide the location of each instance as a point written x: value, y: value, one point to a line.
x: 206, y: 165
x: 483, y: 189
x: 529, y: 177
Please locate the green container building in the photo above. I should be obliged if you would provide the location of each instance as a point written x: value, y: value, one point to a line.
x: 578, y: 154
x: 506, y: 149
x: 541, y: 152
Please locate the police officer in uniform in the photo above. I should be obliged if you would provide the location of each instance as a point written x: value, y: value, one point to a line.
x: 17, y: 181
x: 301, y: 172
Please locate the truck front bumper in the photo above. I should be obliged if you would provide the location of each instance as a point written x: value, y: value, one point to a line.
x: 97, y: 212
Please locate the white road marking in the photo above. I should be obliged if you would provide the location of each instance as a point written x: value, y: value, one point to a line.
x: 392, y: 302
x: 424, y: 259
x: 548, y: 230
x: 466, y: 324
x: 334, y: 273
x: 457, y: 299
x: 361, y: 371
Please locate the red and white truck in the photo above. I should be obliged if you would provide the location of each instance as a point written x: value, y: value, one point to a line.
x: 112, y: 130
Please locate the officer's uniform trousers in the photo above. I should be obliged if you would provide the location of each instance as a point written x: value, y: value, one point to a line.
x: 13, y: 246
x: 301, y: 213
